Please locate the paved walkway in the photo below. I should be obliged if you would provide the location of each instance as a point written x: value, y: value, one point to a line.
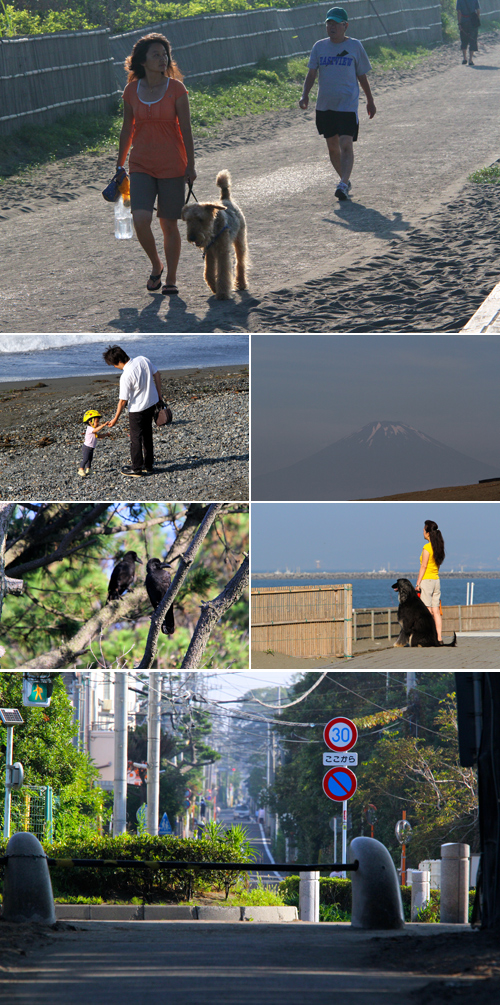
x: 468, y: 654
x: 151, y: 963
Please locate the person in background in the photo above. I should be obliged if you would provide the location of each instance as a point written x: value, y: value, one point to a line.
x: 342, y: 65
x: 469, y: 20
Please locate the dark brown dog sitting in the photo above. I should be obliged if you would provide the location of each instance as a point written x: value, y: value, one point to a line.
x: 418, y: 627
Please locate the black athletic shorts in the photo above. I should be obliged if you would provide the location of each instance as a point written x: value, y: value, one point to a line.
x: 337, y: 124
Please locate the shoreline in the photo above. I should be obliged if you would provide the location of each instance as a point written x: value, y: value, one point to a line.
x: 15, y: 396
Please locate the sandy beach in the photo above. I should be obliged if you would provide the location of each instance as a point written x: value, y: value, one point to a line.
x: 415, y: 249
x: 202, y: 454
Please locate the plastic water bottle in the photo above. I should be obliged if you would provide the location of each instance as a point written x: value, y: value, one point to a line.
x: 124, y: 227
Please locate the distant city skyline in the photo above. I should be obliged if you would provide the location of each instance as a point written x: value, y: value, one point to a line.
x: 361, y: 537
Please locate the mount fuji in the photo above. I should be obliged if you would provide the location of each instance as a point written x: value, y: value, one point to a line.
x: 381, y: 459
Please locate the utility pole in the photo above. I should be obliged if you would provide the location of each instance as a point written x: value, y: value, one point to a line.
x: 154, y: 733
x: 121, y: 749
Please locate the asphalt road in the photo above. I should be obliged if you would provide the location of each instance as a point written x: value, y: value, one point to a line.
x: 106, y: 963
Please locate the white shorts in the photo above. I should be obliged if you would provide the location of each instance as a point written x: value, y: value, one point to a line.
x: 431, y: 592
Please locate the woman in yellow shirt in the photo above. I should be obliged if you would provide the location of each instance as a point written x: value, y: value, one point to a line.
x: 428, y: 577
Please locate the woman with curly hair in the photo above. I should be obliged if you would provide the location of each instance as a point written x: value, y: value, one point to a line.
x: 428, y: 577
x: 157, y: 131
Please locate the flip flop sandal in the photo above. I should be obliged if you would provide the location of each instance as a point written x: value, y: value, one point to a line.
x: 169, y: 289
x: 156, y: 280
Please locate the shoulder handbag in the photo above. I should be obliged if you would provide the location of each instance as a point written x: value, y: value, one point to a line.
x: 162, y: 413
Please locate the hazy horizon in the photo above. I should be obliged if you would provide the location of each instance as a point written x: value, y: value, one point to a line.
x: 360, y: 537
x: 310, y: 391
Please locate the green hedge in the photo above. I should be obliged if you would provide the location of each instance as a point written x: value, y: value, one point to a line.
x: 335, y: 898
x: 332, y: 892
x: 149, y: 884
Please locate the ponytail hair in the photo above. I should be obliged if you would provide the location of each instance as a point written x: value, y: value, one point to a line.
x: 436, y: 540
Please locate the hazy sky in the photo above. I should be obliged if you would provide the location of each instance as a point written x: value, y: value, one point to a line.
x: 364, y: 536
x: 310, y: 390
x: 236, y: 683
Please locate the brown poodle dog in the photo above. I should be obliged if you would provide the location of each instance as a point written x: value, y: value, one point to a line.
x: 215, y: 226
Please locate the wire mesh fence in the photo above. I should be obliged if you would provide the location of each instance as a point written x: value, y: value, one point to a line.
x: 32, y: 811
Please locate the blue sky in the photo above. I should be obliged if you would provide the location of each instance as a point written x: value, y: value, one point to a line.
x: 364, y: 536
x: 309, y: 390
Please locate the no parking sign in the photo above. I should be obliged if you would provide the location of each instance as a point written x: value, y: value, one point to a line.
x: 339, y: 784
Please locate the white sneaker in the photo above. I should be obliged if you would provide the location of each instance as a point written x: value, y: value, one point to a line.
x: 342, y: 190
x: 81, y: 472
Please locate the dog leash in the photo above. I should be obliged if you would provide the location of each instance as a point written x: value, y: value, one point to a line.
x: 209, y: 245
x: 190, y: 193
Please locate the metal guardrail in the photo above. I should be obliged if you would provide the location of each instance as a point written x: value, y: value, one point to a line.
x: 131, y: 863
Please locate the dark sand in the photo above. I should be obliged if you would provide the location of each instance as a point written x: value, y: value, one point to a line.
x: 22, y: 402
x: 454, y: 493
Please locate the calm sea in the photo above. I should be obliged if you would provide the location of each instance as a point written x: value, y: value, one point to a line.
x: 378, y: 592
x: 29, y: 356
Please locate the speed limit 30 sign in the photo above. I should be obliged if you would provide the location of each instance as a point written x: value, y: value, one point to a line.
x: 340, y: 734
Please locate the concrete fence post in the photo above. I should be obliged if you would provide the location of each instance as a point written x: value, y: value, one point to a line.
x: 309, y: 896
x: 420, y: 891
x: 27, y: 892
x: 454, y: 884
x: 376, y: 897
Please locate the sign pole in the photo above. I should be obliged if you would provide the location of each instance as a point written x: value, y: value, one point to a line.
x: 344, y: 835
x: 8, y: 764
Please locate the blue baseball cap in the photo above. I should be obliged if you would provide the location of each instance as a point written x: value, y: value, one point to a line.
x: 337, y: 14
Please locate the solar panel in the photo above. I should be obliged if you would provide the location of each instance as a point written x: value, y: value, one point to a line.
x: 10, y: 716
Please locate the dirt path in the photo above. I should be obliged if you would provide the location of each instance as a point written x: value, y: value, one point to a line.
x: 64, y: 271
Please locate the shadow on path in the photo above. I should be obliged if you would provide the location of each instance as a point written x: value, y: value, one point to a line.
x: 221, y: 316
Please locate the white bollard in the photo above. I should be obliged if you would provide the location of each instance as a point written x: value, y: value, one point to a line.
x: 309, y: 896
x: 454, y: 884
x: 420, y: 891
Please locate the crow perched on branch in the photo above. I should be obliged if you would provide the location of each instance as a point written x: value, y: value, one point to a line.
x: 157, y: 583
x: 123, y: 575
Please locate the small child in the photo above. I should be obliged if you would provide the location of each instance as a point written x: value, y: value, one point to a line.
x: 91, y: 418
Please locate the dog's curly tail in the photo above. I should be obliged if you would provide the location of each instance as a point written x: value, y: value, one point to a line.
x: 452, y: 643
x: 223, y: 180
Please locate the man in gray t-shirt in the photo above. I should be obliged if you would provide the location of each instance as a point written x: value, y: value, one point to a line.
x: 342, y: 65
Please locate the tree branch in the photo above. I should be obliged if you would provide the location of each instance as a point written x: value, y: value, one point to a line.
x: 62, y: 550
x: 6, y: 511
x: 211, y: 613
x: 186, y: 561
x: 58, y: 659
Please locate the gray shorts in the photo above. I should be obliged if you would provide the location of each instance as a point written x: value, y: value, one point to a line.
x: 171, y: 194
x: 431, y: 592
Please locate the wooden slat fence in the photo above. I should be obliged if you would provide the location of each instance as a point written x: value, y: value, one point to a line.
x: 303, y: 621
x: 207, y: 46
x: 45, y: 76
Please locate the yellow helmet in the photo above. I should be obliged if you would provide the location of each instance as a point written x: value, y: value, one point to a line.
x: 91, y: 414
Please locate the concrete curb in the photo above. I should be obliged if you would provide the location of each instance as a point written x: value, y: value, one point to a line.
x: 173, y: 912
x: 487, y: 317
